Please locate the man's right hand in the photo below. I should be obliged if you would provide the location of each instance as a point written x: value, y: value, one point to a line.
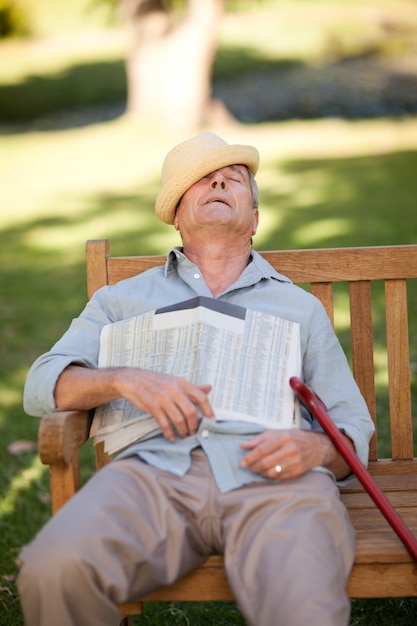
x: 171, y: 400
x: 174, y: 402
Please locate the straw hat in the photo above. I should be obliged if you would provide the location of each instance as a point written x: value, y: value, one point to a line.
x: 193, y: 159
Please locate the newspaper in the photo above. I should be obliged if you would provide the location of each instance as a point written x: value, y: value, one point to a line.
x: 247, y: 356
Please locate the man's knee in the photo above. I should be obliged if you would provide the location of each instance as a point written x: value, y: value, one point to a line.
x: 48, y: 565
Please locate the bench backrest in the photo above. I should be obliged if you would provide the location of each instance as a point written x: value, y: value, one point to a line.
x: 321, y: 269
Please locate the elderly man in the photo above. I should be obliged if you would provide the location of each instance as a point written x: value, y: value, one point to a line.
x: 266, y: 499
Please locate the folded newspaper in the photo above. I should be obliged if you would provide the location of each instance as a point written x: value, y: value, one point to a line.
x: 247, y: 356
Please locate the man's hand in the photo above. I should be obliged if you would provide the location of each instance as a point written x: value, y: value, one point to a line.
x: 294, y: 451
x: 171, y: 400
x: 174, y: 402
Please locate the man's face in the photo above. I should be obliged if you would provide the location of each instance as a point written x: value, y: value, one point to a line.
x: 222, y: 198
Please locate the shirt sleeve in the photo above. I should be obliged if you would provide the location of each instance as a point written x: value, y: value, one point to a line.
x: 327, y: 371
x: 80, y: 345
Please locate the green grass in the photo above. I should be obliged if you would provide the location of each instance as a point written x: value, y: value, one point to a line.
x: 323, y: 183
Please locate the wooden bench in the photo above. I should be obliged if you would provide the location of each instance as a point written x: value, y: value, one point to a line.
x: 383, y: 567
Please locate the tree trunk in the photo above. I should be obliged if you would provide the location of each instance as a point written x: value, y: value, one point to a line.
x: 170, y: 62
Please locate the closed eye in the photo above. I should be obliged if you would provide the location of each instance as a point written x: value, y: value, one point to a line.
x: 235, y: 174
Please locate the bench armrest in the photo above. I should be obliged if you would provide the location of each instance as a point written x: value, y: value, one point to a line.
x: 60, y: 436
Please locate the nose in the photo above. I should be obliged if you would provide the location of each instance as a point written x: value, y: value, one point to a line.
x: 218, y: 180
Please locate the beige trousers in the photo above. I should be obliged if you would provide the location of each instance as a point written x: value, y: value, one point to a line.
x: 288, y: 547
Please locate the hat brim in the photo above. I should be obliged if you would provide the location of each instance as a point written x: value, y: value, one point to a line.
x: 171, y: 193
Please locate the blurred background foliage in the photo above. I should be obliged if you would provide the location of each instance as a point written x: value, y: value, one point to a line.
x: 353, y: 60
x: 325, y: 89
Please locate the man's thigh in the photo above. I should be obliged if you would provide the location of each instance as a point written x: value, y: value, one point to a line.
x: 131, y: 524
x: 289, y: 548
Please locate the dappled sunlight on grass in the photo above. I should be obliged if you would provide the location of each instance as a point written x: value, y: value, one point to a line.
x: 10, y: 396
x: 68, y: 235
x: 163, y: 241
x: 64, y: 169
x: 270, y: 220
x: 20, y: 483
x: 23, y: 60
x: 321, y: 232
x: 328, y: 138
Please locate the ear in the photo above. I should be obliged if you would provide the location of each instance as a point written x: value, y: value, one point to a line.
x: 255, y: 221
x: 176, y: 224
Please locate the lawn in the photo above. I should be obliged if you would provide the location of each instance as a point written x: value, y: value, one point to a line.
x: 65, y: 178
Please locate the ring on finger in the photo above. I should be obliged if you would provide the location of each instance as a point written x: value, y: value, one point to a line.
x: 278, y: 469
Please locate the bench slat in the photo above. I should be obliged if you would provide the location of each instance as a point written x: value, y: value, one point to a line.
x: 388, y: 482
x: 398, y: 499
x: 324, y: 291
x: 369, y: 519
x: 398, y: 369
x: 345, y: 264
x: 362, y: 349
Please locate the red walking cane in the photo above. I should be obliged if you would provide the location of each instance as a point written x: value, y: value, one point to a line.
x: 318, y: 409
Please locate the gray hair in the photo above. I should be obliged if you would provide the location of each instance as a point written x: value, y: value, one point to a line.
x: 254, y: 188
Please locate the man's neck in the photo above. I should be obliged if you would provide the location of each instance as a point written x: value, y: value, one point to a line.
x: 220, y: 265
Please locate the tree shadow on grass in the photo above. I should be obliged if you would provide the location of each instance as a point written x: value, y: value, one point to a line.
x: 82, y: 94
x: 353, y: 201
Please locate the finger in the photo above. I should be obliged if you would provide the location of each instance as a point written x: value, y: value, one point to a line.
x: 184, y: 417
x: 252, y: 443
x: 164, y: 408
x: 191, y: 401
x: 262, y: 464
x: 165, y: 425
x: 263, y: 444
x: 183, y: 404
x: 201, y: 400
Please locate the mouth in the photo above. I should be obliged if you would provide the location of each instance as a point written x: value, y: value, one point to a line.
x: 218, y: 199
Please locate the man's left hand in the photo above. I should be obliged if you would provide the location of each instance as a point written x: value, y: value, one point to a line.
x: 285, y: 454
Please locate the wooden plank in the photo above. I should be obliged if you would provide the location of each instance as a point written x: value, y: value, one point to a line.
x: 362, y: 349
x: 97, y: 251
x: 398, y: 369
x: 324, y: 292
x: 368, y: 519
x: 102, y: 457
x: 388, y: 580
x: 206, y: 583
x: 393, y: 466
x: 305, y: 266
x: 398, y: 499
x: 381, y: 546
x: 129, y: 609
x: 345, y: 264
x: 64, y: 481
x: 387, y: 482
x: 120, y: 268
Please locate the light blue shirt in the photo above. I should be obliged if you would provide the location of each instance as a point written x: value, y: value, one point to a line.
x: 324, y: 365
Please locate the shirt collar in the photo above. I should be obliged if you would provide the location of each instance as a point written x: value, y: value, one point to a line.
x: 266, y: 269
x: 258, y: 268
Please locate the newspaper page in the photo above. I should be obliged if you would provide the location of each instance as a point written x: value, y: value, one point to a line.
x: 247, y: 356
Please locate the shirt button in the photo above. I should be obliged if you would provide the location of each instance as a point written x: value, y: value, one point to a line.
x: 197, y: 276
x: 205, y: 433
